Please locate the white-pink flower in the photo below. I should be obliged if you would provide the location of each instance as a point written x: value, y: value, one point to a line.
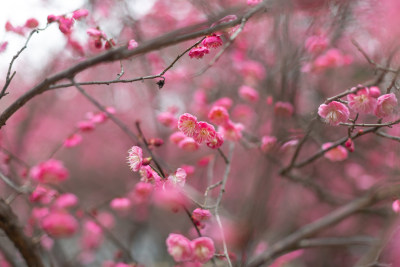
x: 187, y: 123
x: 338, y: 153
x: 362, y: 102
x: 334, y: 112
x: 203, y: 249
x: 386, y: 105
x: 132, y: 44
x: 135, y: 158
x: 179, y: 247
x: 178, y: 178
x: 205, y: 132
x: 188, y: 144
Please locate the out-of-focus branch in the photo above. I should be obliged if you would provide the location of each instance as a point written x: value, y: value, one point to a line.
x: 336, y: 241
x: 10, y: 76
x: 292, y: 240
x: 10, y: 225
x: 219, y: 199
x: 370, y: 61
x: 112, y: 55
x: 385, y: 135
x: 10, y: 183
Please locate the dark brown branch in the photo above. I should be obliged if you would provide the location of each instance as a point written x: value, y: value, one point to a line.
x: 336, y: 241
x: 10, y: 225
x: 112, y: 55
x: 292, y: 240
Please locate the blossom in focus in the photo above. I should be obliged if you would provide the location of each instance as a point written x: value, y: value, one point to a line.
x: 334, y: 113
x: 216, y: 141
x: 386, y: 105
x: 51, y: 171
x: 339, y: 153
x: 179, y: 247
x: 187, y: 123
x: 205, y: 132
x: 203, y: 249
x: 362, y: 102
x: 135, y: 158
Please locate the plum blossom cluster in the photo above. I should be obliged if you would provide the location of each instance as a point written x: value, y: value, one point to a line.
x: 211, y: 41
x: 363, y: 101
x: 85, y: 126
x: 200, y: 131
x: 31, y: 23
x: 322, y: 59
x: 67, y: 21
x: 98, y: 39
x: 199, y: 250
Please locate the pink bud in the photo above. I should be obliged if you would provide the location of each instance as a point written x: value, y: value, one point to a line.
x: 59, y: 224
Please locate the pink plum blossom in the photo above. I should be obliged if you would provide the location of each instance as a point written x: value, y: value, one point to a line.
x: 188, y: 144
x: 334, y: 113
x: 198, y: 52
x: 201, y: 214
x: 212, y: 41
x: 187, y: 123
x: 396, y: 206
x: 167, y: 119
x: 132, y: 44
x: 268, y: 142
x: 32, y: 23
x: 316, y: 44
x: 86, y: 126
x: 231, y: 131
x: 205, y: 132
x: 135, y: 158
x: 51, y: 171
x: 65, y: 201
x: 362, y: 102
x: 386, y: 105
x: 284, y: 109
x: 141, y: 193
x: 42, y: 194
x: 92, y: 236
x: 218, y: 115
x: 80, y: 13
x: 216, y: 141
x: 73, y: 140
x: 374, y: 91
x: 203, y: 249
x: 120, y: 204
x: 253, y: 2
x: 248, y: 93
x: 178, y: 178
x: 176, y: 137
x: 225, y: 102
x: 339, y: 153
x: 179, y: 247
x: 59, y: 224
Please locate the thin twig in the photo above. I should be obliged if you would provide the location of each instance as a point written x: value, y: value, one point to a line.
x: 10, y: 76
x: 10, y: 183
x: 370, y: 61
x: 385, y: 135
x: 219, y: 199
